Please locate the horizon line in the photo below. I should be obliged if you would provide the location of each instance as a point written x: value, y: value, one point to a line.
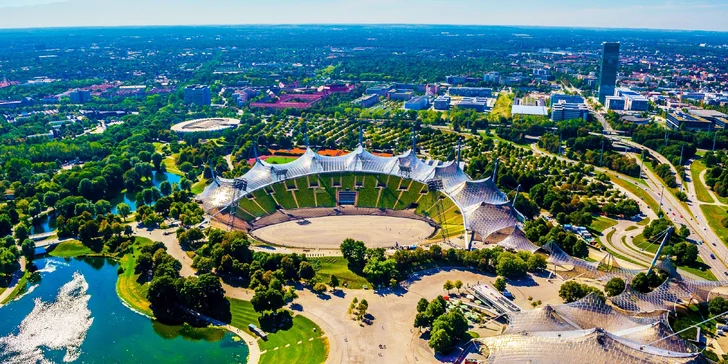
x: 353, y: 24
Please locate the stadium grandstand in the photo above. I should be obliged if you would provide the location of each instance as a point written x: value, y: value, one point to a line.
x: 205, y: 126
x: 440, y: 191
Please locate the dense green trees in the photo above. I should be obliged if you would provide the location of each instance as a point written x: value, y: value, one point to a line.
x: 446, y: 327
x: 573, y: 291
x: 614, y: 287
x: 645, y: 283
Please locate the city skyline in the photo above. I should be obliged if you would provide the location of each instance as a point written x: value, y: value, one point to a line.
x: 650, y: 14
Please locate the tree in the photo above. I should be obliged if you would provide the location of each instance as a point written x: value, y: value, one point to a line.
x: 28, y: 249
x: 685, y: 253
x: 440, y: 341
x: 334, y: 282
x: 717, y: 306
x: 354, y: 251
x: 362, y: 309
x: 21, y: 232
x: 6, y: 226
x: 50, y: 198
x: 162, y: 292
x: 268, y: 300
x: 448, y: 286
x: 458, y: 285
x: 123, y: 209
x: 536, y: 262
x: 422, y: 305
x: 319, y: 287
x: 500, y: 284
x: 614, y: 287
x: 306, y: 271
x: 573, y: 291
x: 510, y: 265
x: 165, y: 188
x: 421, y: 320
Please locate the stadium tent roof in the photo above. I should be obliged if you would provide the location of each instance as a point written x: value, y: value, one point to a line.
x: 485, y: 208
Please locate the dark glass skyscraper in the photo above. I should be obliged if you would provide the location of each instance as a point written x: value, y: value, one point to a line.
x: 608, y: 76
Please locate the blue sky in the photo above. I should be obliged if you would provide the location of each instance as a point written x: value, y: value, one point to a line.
x: 661, y: 14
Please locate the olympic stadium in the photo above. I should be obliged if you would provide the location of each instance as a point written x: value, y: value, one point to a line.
x: 208, y: 125
x: 630, y: 327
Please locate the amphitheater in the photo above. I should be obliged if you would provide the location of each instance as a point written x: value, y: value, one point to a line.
x: 205, y: 125
x: 288, y: 198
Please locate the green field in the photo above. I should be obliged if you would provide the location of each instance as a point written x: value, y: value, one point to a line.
x: 369, y: 193
x: 701, y: 191
x: 251, y: 207
x: 389, y: 195
x: 283, y: 196
x: 602, y: 223
x: 128, y: 286
x: 19, y: 288
x: 338, y: 266
x: 274, y: 350
x: 265, y: 201
x: 715, y: 214
x: 280, y: 160
x: 70, y: 248
x: 304, y: 194
x: 409, y: 196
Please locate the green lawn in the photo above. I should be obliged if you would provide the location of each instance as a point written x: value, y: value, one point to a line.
x: 701, y: 191
x: 274, y: 348
x: 199, y: 186
x: 128, y: 287
x: 630, y: 228
x: 251, y: 207
x: 171, y: 167
x: 283, y: 196
x: 390, y: 194
x: 409, y: 196
x: 338, y: 266
x: 702, y: 270
x: 715, y: 214
x: 304, y: 194
x: 70, y: 248
x: 602, y: 223
x: 19, y: 288
x: 280, y: 160
x: 502, y: 106
x: 265, y: 201
x: 369, y: 193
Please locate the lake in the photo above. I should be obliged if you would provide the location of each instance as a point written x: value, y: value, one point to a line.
x: 130, y: 197
x: 74, y: 315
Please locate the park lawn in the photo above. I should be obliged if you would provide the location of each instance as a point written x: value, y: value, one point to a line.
x: 128, y: 287
x: 171, y: 167
x: 70, y: 248
x: 631, y: 227
x: 702, y: 270
x: 714, y: 214
x: 502, y: 106
x: 636, y: 190
x: 314, y: 351
x: 19, y: 288
x: 280, y: 160
x: 602, y: 223
x: 640, y: 242
x: 199, y: 186
x: 701, y: 191
x: 338, y: 266
x: 644, y: 222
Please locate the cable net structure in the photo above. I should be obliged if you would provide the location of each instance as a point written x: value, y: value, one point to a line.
x: 485, y: 208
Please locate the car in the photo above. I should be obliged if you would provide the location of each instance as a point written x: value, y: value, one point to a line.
x: 712, y: 256
x: 726, y: 273
x: 714, y: 244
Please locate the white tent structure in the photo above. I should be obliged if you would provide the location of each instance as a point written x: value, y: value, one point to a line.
x: 485, y: 208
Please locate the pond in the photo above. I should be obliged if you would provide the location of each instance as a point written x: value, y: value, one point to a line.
x: 74, y: 315
x: 44, y: 224
x: 130, y: 197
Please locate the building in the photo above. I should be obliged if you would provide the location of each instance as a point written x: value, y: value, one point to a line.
x: 633, y: 101
x: 636, y: 120
x: 680, y: 120
x: 400, y: 95
x: 718, y: 118
x: 442, y: 103
x: 615, y: 103
x: 480, y: 104
x: 417, y: 103
x: 529, y: 110
x: 80, y: 96
x: 381, y: 90
x: 491, y: 77
x: 455, y: 80
x: 608, y: 70
x: 471, y: 91
x: 198, y: 95
x: 568, y: 111
x: 367, y: 100
x: 569, y: 99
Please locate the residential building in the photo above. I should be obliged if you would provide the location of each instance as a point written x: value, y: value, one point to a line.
x: 367, y: 100
x: 615, y: 103
x: 608, y: 70
x: 198, y: 95
x: 568, y: 111
x: 442, y: 103
x: 680, y: 120
x: 417, y: 103
x: 471, y: 91
x: 80, y: 96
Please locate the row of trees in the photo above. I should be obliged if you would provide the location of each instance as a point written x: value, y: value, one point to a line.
x: 446, y: 328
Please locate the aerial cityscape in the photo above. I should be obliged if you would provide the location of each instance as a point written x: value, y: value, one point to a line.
x: 362, y: 191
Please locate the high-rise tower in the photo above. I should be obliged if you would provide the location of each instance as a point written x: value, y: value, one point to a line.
x: 608, y: 72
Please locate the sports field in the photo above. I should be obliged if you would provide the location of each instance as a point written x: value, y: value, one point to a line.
x: 328, y: 232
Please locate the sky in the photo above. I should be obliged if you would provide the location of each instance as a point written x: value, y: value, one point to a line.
x: 656, y: 14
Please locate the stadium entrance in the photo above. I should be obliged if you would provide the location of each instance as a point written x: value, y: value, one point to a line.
x: 347, y: 197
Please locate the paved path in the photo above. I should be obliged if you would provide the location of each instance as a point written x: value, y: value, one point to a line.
x: 14, y: 280
x: 170, y: 241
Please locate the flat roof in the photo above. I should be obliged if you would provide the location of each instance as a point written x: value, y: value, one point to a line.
x: 529, y: 110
